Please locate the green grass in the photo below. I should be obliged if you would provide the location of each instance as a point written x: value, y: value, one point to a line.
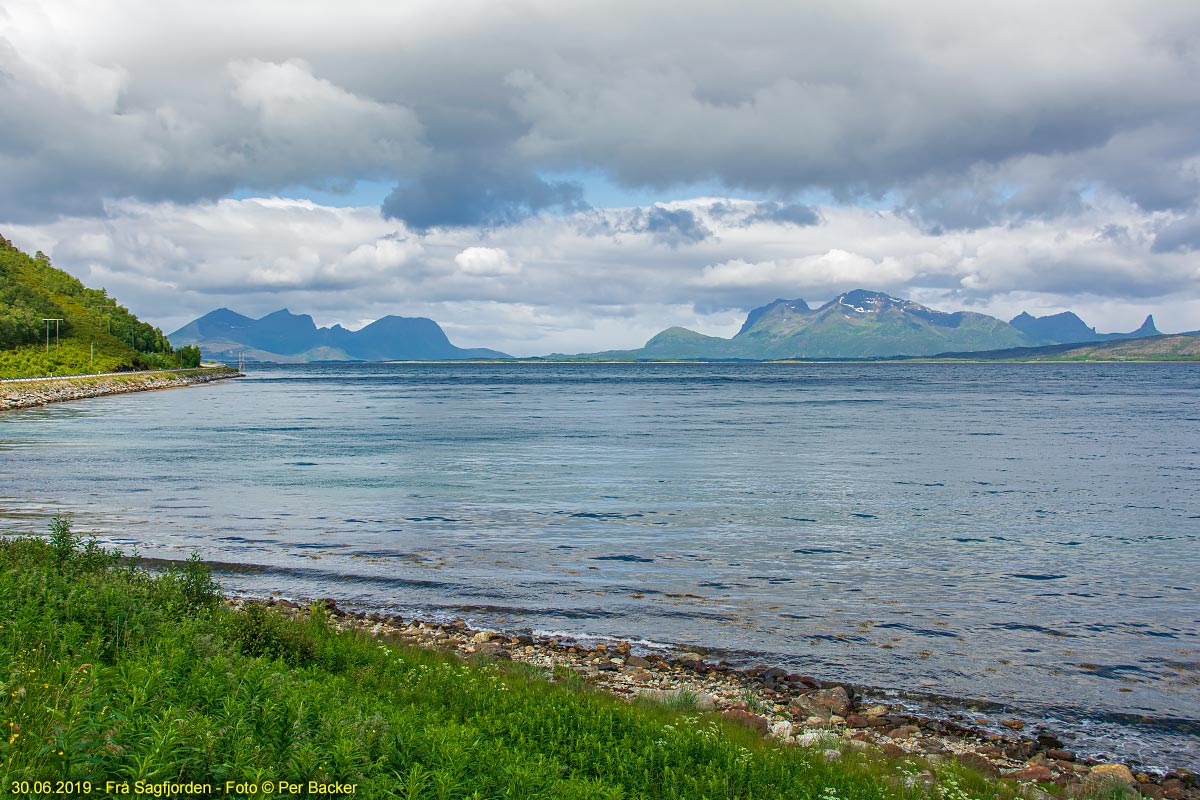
x: 111, y: 673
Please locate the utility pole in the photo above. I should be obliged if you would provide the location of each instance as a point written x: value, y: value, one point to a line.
x: 48, y: 321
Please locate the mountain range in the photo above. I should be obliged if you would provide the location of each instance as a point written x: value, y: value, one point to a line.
x: 285, y: 337
x: 865, y: 324
x: 856, y: 324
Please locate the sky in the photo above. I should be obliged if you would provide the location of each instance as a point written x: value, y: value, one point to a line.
x: 565, y: 177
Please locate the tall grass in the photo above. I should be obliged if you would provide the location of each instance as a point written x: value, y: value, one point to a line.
x: 111, y: 673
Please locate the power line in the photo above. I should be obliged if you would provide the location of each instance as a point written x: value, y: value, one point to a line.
x: 55, y: 320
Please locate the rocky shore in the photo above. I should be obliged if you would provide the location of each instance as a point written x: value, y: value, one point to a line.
x: 39, y: 392
x: 800, y: 710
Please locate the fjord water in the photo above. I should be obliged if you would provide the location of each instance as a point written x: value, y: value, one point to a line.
x: 1021, y: 534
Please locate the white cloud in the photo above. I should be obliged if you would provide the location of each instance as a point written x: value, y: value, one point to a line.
x: 308, y: 127
x: 833, y: 268
x: 486, y: 262
x: 590, y: 282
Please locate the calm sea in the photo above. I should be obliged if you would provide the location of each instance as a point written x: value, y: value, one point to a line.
x: 1015, y: 539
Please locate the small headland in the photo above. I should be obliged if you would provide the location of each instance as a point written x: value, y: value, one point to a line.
x: 29, y: 392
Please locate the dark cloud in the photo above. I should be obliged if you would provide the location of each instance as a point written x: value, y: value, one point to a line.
x: 862, y: 101
x: 1115, y: 233
x: 1182, y: 235
x: 745, y: 214
x: 673, y: 227
x: 937, y: 208
x: 464, y: 195
x: 791, y: 214
x: 72, y: 140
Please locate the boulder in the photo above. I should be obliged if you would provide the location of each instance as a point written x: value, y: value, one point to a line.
x: 821, y: 703
x: 837, y: 700
x: 1030, y: 774
x: 782, y: 730
x: 803, y: 708
x: 752, y: 721
x: 903, y: 732
x: 492, y: 652
x: 1049, y: 741
x: 1118, y: 772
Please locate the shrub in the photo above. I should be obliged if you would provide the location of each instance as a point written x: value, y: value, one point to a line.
x: 260, y: 632
x: 62, y: 539
x: 200, y: 589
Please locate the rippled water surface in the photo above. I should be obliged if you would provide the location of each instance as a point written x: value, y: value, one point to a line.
x: 1025, y: 534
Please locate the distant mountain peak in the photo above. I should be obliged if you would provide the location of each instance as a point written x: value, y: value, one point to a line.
x: 284, y: 313
x: 225, y: 315
x: 1148, y: 328
x: 865, y: 301
x: 866, y: 296
x: 282, y: 335
x: 867, y: 324
x: 778, y: 305
x: 1066, y: 327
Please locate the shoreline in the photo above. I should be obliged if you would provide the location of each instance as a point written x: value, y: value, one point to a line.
x: 794, y: 709
x: 23, y: 393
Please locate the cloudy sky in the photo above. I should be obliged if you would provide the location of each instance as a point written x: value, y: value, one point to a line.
x: 549, y: 176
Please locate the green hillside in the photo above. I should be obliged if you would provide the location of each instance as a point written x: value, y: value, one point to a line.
x: 96, y: 333
x: 1165, y: 347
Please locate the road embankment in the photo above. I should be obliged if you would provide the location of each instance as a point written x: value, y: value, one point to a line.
x: 32, y: 392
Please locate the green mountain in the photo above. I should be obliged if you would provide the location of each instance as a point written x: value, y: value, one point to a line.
x: 95, y: 333
x: 285, y: 337
x: 864, y: 324
x: 1155, y: 347
x: 1067, y: 327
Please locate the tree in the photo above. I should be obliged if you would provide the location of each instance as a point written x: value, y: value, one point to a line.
x: 189, y: 356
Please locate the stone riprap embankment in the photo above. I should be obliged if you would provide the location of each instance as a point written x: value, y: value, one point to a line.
x: 798, y: 710
x: 39, y: 392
